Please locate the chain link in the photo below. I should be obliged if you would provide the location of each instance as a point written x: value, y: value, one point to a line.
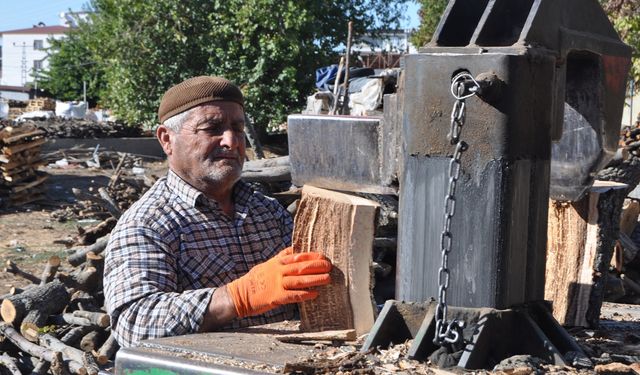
x: 463, y: 86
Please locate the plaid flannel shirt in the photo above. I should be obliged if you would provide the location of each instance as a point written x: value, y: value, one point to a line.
x: 173, y: 247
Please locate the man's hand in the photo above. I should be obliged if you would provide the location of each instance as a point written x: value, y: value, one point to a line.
x: 281, y: 280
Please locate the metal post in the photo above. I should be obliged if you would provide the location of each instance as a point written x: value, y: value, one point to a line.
x: 84, y: 91
x: 632, y: 89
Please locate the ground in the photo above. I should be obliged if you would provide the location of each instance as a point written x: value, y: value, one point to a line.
x: 29, y: 234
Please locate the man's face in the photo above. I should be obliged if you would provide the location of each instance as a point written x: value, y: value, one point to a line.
x: 209, y: 150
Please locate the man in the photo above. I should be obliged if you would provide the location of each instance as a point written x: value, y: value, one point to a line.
x: 201, y: 250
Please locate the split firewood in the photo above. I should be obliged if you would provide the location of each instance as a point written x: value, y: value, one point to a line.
x: 107, y: 350
x: 69, y: 353
x: 11, y: 267
x: 50, y: 269
x: 91, y: 341
x: 47, y: 299
x: 337, y: 335
x: 9, y: 364
x: 80, y: 254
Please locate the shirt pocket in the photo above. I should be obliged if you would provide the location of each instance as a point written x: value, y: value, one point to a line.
x: 206, y: 269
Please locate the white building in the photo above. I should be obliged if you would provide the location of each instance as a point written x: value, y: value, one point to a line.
x: 24, y: 52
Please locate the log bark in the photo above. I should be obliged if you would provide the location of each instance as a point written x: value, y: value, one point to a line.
x: 341, y: 226
x: 342, y: 335
x: 90, y: 342
x: 68, y: 318
x: 50, y: 269
x: 100, y: 319
x: 50, y: 298
x: 580, y: 243
x: 11, y: 267
x: 268, y: 174
x: 69, y: 353
x: 25, y: 345
x: 91, y: 235
x: 80, y: 255
x: 111, y: 205
x: 31, y: 324
x: 88, y: 279
x: 9, y: 364
x: 107, y: 350
x: 73, y: 337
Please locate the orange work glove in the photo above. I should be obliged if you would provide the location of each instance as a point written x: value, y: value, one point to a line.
x: 280, y: 280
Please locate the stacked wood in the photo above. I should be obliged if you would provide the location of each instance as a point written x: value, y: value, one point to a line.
x: 74, y: 128
x: 43, y: 104
x: 20, y: 180
x: 341, y: 226
x: 58, y: 321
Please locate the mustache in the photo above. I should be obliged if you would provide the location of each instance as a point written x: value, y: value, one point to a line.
x: 222, y: 152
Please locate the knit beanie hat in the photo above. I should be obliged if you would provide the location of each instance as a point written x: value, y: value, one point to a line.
x: 195, y: 91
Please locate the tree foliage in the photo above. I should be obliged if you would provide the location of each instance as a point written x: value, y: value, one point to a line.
x: 270, y: 48
x: 71, y: 66
x: 430, y: 13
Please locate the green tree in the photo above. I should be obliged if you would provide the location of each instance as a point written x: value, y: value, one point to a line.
x: 430, y: 13
x: 71, y: 65
x: 269, y: 48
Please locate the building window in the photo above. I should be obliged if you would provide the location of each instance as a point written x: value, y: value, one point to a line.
x: 38, y: 44
x: 37, y: 65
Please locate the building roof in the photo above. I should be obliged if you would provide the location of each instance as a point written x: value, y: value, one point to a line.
x: 38, y: 30
x: 15, y: 88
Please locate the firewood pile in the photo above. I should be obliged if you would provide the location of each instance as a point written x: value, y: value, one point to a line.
x: 60, y: 128
x: 123, y: 190
x: 623, y: 284
x: 58, y: 324
x: 20, y: 180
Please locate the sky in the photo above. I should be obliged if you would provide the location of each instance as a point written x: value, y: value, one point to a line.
x: 22, y: 14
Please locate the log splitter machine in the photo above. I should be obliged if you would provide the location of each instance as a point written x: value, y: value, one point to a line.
x: 512, y: 102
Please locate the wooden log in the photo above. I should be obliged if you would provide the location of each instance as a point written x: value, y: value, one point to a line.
x: 340, y: 226
x: 9, y: 364
x: 269, y: 174
x: 80, y: 254
x: 69, y: 353
x: 629, y: 217
x: 88, y: 279
x: 91, y: 235
x: 31, y: 324
x: 341, y: 335
x: 629, y: 283
x: 111, y: 205
x: 108, y: 350
x: 73, y: 337
x: 25, y: 345
x: 11, y: 267
x: 578, y: 244
x: 97, y: 318
x: 91, y: 341
x: 50, y: 298
x: 68, y: 318
x: 50, y: 269
x: 41, y: 367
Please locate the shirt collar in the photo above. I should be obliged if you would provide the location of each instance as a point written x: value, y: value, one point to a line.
x: 242, y: 192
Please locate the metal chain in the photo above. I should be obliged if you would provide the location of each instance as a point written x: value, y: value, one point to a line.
x: 463, y: 86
